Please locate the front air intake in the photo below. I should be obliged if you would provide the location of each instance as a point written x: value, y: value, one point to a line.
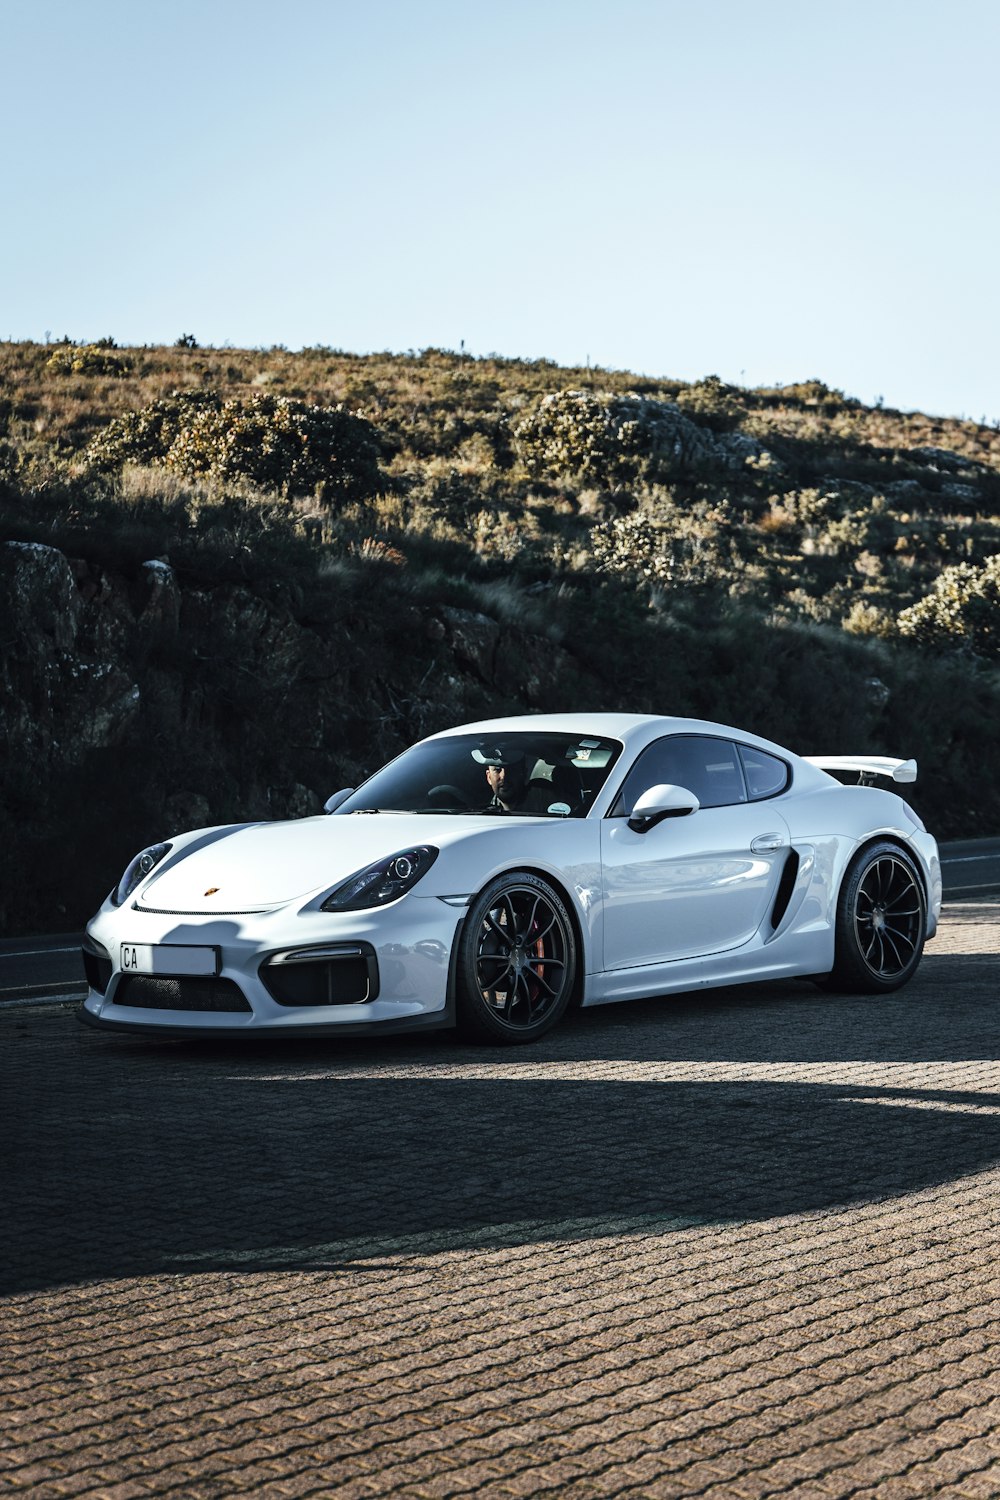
x: 149, y: 992
x: 338, y: 974
x: 97, y: 966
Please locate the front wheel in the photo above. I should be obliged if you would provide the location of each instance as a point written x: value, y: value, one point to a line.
x: 517, y: 961
x: 881, y: 922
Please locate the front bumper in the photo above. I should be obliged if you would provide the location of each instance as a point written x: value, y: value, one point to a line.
x: 412, y: 945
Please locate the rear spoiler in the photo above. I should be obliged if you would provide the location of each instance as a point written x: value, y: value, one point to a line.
x: 867, y: 766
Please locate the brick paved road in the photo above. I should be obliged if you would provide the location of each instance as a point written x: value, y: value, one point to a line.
x: 738, y: 1246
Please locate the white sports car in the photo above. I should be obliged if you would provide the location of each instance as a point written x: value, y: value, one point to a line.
x: 495, y: 874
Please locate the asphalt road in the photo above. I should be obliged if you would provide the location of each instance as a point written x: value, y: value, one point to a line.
x: 739, y: 1245
x: 51, y: 966
x: 41, y: 966
x: 970, y: 868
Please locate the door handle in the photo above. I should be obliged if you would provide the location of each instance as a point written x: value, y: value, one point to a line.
x: 766, y: 843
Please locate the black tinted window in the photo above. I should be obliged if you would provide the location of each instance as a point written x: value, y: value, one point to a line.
x: 545, y: 774
x: 766, y: 775
x: 707, y: 766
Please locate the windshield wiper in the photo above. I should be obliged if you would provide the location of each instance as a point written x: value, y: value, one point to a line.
x: 402, y: 811
x: 440, y: 812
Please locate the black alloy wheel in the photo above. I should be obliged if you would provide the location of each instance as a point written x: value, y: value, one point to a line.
x: 517, y: 960
x: 881, y: 922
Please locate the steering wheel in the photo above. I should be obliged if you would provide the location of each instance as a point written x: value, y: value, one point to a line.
x: 446, y: 795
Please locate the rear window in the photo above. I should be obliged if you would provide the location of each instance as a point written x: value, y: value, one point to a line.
x: 766, y: 775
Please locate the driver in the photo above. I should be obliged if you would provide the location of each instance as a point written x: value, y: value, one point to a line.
x: 507, y: 779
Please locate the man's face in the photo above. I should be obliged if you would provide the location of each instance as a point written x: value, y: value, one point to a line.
x: 496, y: 777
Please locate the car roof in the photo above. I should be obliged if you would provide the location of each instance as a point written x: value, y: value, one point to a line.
x: 611, y: 726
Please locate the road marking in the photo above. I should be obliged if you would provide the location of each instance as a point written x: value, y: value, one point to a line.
x: 50, y: 987
x: 74, y: 998
x: 38, y: 952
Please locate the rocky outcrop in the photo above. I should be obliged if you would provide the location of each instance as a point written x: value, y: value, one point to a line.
x: 65, y: 683
x: 505, y: 658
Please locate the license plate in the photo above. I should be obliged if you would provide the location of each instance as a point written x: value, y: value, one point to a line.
x: 168, y: 958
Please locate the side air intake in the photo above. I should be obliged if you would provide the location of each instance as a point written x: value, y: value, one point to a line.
x: 786, y: 885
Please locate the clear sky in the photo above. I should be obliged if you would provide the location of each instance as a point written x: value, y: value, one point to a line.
x: 768, y: 192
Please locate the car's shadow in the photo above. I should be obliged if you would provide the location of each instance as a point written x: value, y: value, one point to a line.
x: 949, y: 1012
x: 127, y: 1157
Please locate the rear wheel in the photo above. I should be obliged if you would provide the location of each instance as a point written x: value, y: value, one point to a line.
x: 517, y: 961
x: 881, y: 922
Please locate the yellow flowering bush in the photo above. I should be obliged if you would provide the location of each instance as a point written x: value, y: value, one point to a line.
x: 961, y: 611
x: 87, y: 359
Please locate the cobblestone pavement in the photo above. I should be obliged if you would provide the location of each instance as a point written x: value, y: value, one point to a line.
x: 737, y: 1245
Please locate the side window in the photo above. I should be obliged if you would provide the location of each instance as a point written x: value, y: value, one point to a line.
x: 707, y: 766
x: 766, y: 775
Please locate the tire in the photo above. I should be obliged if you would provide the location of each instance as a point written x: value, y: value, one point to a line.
x: 516, y: 961
x: 881, y: 923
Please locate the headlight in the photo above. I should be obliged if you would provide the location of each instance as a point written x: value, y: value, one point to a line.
x: 382, y: 882
x: 138, y: 870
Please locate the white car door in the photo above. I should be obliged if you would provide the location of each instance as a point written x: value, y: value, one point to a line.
x: 703, y: 882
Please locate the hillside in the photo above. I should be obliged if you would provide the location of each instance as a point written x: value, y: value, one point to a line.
x: 241, y: 578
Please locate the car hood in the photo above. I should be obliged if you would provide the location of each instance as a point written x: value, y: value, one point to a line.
x: 265, y: 865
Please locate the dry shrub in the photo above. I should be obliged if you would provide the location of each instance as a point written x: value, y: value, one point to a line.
x: 868, y: 619
x: 274, y: 442
x: 375, y: 549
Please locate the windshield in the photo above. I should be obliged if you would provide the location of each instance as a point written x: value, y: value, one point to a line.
x: 520, y: 774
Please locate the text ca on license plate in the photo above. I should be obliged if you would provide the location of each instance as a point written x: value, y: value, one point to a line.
x: 168, y: 959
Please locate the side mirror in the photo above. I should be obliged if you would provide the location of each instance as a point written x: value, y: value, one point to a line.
x: 332, y: 803
x: 661, y: 802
